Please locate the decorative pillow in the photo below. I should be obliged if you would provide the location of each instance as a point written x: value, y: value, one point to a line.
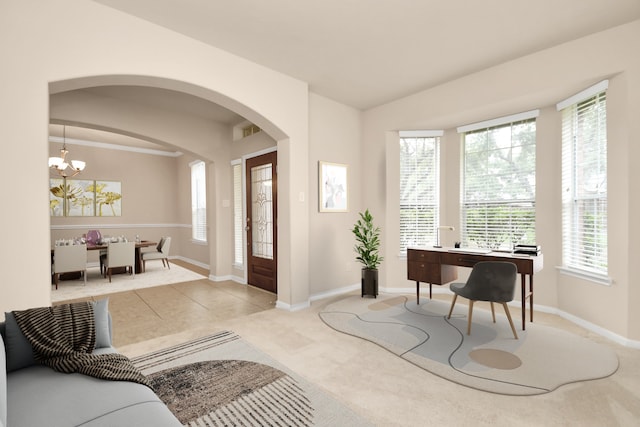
x: 18, y: 348
x: 101, y: 316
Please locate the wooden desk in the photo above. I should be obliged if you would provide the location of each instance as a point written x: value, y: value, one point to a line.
x: 439, y: 266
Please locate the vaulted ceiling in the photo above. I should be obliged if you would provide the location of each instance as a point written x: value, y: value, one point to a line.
x: 365, y: 53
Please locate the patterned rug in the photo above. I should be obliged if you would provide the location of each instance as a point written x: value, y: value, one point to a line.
x: 221, y: 380
x: 490, y: 359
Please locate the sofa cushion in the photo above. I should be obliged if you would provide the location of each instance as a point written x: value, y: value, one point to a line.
x: 20, y: 352
x: 18, y: 348
x: 76, y: 399
x: 101, y: 317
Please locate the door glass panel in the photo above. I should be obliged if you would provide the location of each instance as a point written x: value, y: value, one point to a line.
x: 262, y: 211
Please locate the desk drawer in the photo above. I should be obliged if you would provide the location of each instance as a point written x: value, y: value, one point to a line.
x: 429, y: 272
x: 422, y: 256
x: 462, y: 260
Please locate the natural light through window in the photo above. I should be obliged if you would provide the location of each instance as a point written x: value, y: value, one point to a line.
x: 499, y: 183
x: 419, y: 188
x: 584, y: 182
x: 198, y: 201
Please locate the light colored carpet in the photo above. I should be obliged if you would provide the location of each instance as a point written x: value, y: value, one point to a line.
x: 222, y: 380
x: 490, y: 359
x: 155, y: 275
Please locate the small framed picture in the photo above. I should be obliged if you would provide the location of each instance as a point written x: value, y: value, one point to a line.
x: 333, y: 187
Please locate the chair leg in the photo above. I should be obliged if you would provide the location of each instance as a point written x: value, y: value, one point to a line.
x: 513, y: 329
x: 493, y: 312
x: 56, y: 276
x: 109, y: 273
x: 470, y: 315
x: 168, y: 265
x: 84, y: 273
x: 455, y: 296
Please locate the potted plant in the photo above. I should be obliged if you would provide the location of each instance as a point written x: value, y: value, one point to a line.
x: 367, y: 247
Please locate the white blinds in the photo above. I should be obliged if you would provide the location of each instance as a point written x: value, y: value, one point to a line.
x: 238, y: 224
x: 584, y: 183
x: 419, y: 191
x: 499, y: 182
x: 199, y: 201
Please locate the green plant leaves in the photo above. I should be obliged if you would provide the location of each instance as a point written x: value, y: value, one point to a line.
x: 367, y: 241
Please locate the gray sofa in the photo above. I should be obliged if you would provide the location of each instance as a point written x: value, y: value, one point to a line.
x: 35, y: 395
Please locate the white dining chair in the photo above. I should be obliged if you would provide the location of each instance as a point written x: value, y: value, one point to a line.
x: 67, y: 259
x: 120, y: 254
x: 161, y: 253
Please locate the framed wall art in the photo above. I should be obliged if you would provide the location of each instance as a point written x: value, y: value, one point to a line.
x: 108, y: 198
x: 79, y: 197
x: 333, y: 187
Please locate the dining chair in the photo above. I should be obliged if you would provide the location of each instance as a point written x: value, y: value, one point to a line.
x: 161, y: 253
x: 121, y: 254
x: 492, y: 281
x: 67, y: 259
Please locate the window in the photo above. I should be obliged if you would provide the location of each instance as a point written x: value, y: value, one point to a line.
x: 419, y: 188
x: 198, y: 201
x: 584, y: 181
x: 499, y: 182
x: 238, y: 224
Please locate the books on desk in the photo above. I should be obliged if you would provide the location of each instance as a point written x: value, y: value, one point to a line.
x: 527, y: 249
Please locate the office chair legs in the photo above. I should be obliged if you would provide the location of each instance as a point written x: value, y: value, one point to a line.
x: 470, y: 316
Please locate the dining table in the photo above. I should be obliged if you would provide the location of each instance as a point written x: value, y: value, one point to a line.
x: 103, y: 246
x: 138, y: 258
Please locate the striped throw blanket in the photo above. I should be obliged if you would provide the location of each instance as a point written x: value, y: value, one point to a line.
x: 63, y: 338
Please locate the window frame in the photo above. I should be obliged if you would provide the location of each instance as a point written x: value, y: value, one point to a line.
x: 239, y: 234
x: 513, y: 211
x: 421, y: 234
x: 582, y: 243
x: 198, y: 171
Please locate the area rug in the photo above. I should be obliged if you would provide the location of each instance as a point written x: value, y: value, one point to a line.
x: 221, y: 380
x: 490, y: 359
x: 155, y: 275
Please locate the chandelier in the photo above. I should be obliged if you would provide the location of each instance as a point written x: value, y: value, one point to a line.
x: 63, y: 167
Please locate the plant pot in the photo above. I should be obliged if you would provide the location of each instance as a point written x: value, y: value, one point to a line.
x: 369, y: 282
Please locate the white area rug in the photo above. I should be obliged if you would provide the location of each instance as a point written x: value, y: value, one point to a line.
x: 155, y: 275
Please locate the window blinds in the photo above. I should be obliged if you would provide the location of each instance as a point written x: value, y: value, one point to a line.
x: 584, y: 182
x: 238, y: 224
x: 419, y: 191
x: 499, y: 182
x: 198, y: 201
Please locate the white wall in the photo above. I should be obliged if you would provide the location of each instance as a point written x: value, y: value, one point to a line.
x: 52, y: 47
x: 536, y: 81
x: 334, y: 136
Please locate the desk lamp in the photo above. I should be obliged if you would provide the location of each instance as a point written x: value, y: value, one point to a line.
x: 442, y: 227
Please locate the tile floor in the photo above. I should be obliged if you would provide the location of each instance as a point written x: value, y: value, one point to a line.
x: 144, y: 314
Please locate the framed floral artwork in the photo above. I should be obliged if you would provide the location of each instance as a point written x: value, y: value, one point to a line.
x: 80, y: 197
x: 108, y: 198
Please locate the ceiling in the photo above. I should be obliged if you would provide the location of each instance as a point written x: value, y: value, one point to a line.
x: 365, y: 53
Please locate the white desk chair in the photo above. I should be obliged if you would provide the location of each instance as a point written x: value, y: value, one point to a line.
x: 67, y: 259
x: 120, y: 255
